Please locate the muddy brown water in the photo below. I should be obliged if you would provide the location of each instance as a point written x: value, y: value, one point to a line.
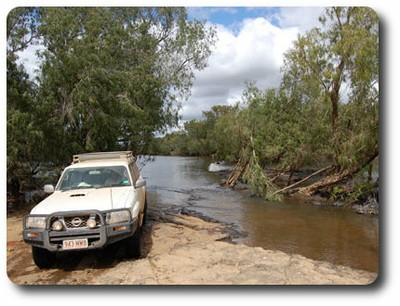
x: 327, y: 233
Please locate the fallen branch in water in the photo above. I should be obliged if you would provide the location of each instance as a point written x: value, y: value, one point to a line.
x: 303, y: 180
x: 239, y: 169
x: 339, y: 177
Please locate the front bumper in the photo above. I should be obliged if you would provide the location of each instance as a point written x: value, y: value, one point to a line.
x: 99, y: 237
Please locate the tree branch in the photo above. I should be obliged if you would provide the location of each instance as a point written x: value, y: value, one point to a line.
x: 303, y: 180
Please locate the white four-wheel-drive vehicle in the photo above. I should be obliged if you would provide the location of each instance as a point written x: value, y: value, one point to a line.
x: 99, y: 199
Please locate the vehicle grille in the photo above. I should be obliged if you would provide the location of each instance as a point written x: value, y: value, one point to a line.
x: 75, y: 227
x: 75, y: 222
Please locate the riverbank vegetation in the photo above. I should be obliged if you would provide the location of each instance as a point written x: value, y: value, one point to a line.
x: 324, y: 116
x: 109, y: 79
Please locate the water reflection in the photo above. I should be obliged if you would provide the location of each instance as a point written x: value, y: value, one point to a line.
x: 322, y: 233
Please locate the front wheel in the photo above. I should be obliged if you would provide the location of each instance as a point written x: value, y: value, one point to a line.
x: 145, y: 212
x: 132, y: 245
x: 43, y: 258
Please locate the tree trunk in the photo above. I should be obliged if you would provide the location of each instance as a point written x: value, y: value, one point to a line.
x: 334, y: 97
x: 338, y: 177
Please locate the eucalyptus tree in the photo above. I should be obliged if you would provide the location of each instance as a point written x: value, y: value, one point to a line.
x: 111, y: 77
x: 24, y: 136
x: 324, y: 114
x: 335, y: 69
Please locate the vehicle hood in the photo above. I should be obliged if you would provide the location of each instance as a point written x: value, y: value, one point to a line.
x: 85, y: 199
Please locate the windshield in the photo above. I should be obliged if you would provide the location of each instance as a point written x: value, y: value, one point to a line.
x: 94, y: 177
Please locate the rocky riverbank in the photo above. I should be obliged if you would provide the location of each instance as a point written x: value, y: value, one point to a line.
x: 178, y: 250
x: 187, y: 250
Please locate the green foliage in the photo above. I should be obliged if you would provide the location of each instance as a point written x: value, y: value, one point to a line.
x: 24, y: 135
x: 259, y: 183
x: 337, y: 193
x: 111, y: 76
x: 217, y: 134
x: 109, y: 79
x: 21, y: 30
x: 358, y: 190
x: 344, y: 53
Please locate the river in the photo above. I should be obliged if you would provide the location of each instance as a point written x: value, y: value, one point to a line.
x: 327, y: 233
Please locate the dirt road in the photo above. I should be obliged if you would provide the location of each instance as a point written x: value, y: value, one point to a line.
x: 176, y: 249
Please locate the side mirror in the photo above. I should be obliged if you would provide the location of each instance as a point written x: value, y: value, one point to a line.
x: 48, y: 188
x: 140, y: 183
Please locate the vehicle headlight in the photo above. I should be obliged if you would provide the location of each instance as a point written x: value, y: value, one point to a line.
x: 118, y: 216
x: 91, y: 223
x: 57, y: 226
x: 35, y: 222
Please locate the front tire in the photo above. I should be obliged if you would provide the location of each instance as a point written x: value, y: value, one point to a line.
x: 145, y: 212
x: 132, y: 245
x: 43, y: 258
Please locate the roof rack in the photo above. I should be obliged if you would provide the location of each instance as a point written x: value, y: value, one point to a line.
x: 127, y: 155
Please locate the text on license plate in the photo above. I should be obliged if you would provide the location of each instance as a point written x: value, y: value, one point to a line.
x: 75, y: 244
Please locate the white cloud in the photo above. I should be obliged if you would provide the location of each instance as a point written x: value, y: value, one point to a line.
x: 29, y: 59
x: 254, y: 54
x: 249, y: 51
x: 303, y: 18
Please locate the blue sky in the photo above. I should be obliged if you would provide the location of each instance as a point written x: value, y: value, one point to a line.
x: 232, y: 17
